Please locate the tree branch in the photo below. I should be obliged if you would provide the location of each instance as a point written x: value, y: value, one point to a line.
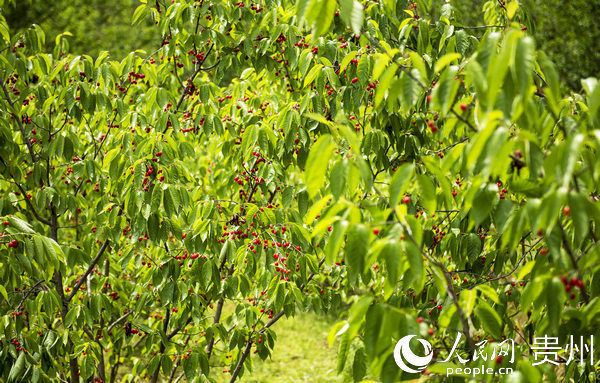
x: 28, y: 293
x: 116, y: 322
x: 17, y: 117
x: 30, y: 205
x: 88, y: 271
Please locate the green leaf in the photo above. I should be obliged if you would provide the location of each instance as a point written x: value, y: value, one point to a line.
x: 338, y: 329
x: 207, y: 269
x: 580, y: 207
x: 410, y: 92
x: 489, y: 292
x: 427, y: 190
x: 555, y: 298
x: 332, y: 77
x: 400, y: 182
x: 462, y: 41
x: 392, y: 256
x: 337, y: 178
x: 524, y: 62
x: 71, y: 316
x: 482, y: 204
x: 359, y: 365
x: 380, y: 64
x: 489, y: 318
x: 157, y: 196
x: 363, y: 70
x: 317, y: 163
x: 305, y: 61
x: 166, y: 293
x: 335, y: 241
x: 351, y: 12
x: 4, y: 31
x: 21, y: 225
x: 153, y: 364
x: 3, y: 292
x: 346, y: 60
x: 445, y: 60
x: 312, y: 74
x: 445, y: 91
x: 415, y: 276
x: 356, y: 250
x: 17, y: 368
x: 166, y: 364
x: 343, y: 352
x: 320, y: 14
x: 140, y: 12
x: 467, y: 300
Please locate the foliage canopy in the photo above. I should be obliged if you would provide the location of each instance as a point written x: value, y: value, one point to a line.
x: 282, y: 155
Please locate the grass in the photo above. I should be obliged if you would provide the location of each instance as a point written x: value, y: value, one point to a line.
x: 301, y: 353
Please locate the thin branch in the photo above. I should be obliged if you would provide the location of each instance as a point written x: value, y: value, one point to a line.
x: 480, y: 26
x: 219, y: 310
x: 28, y: 293
x: 113, y: 324
x: 88, y: 271
x: 30, y: 205
x: 464, y: 120
x: 190, y: 81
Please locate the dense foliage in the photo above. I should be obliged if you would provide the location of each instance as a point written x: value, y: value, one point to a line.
x: 566, y: 30
x: 160, y: 214
x: 91, y: 26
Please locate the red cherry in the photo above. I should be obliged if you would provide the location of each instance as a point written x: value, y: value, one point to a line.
x: 354, y: 80
x: 566, y: 210
x: 376, y: 231
x: 544, y: 251
x: 406, y: 200
x: 463, y: 107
